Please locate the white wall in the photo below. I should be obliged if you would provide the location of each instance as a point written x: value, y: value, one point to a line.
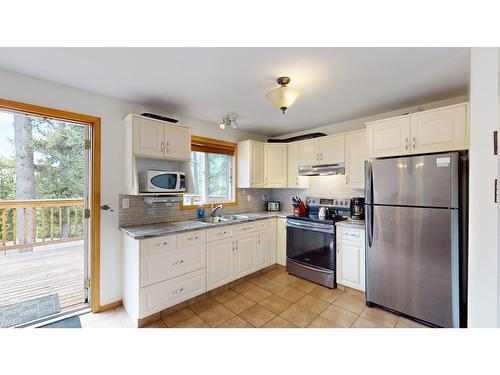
x: 359, y: 123
x: 483, y: 226
x: 111, y: 111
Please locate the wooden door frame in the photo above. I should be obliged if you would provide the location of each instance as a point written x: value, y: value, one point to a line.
x: 95, y: 125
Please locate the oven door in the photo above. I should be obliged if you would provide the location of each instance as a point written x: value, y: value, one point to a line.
x: 311, y: 244
x: 164, y: 182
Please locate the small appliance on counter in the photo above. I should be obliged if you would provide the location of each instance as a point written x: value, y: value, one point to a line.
x: 273, y: 206
x: 358, y: 208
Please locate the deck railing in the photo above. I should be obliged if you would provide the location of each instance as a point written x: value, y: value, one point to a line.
x: 37, y: 222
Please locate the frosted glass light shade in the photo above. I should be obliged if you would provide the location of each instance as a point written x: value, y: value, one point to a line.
x: 283, y: 97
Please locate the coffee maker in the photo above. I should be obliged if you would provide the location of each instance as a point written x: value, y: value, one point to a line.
x: 358, y: 208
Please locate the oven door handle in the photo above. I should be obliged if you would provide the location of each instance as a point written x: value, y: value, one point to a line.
x: 310, y: 227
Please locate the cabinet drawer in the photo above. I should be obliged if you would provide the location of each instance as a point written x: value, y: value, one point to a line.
x: 191, y: 238
x: 157, y: 297
x: 244, y: 228
x: 221, y: 233
x: 169, y: 264
x: 351, y: 234
x: 262, y: 225
x: 158, y: 244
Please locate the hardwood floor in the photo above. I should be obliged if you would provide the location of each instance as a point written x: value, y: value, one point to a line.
x: 29, y: 275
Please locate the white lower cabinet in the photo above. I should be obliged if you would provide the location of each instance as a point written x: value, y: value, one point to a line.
x: 281, y: 241
x: 167, y: 293
x: 351, y: 258
x: 261, y: 249
x: 220, y: 265
x: 244, y: 255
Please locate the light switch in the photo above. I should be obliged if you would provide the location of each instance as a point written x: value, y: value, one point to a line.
x: 249, y: 198
x: 125, y: 203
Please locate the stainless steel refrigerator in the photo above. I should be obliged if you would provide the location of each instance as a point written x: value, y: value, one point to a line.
x: 416, y: 236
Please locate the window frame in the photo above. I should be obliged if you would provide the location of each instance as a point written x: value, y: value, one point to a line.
x: 211, y: 145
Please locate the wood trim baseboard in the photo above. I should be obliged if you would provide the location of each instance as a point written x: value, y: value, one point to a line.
x: 95, y: 124
x: 110, y: 306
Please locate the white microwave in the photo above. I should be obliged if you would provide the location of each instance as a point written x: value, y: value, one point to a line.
x: 154, y: 181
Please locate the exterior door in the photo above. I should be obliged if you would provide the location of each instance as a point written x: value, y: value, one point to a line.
x: 389, y: 137
x: 331, y: 149
x: 275, y: 166
x: 412, y: 259
x: 257, y: 164
x: 178, y: 142
x: 244, y: 259
x: 441, y: 129
x: 149, y: 137
x: 220, y: 268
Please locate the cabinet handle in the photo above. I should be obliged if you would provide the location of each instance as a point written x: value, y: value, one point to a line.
x: 162, y: 147
x: 178, y: 262
x: 236, y: 244
x: 414, y: 143
x: 178, y: 291
x: 321, y: 156
x: 406, y: 144
x: 168, y: 147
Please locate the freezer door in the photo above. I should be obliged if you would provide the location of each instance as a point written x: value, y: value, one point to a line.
x: 412, y: 262
x: 426, y: 180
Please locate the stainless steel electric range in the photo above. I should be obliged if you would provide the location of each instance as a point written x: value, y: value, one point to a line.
x: 311, y: 242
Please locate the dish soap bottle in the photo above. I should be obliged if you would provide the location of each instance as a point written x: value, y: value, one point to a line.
x: 200, y: 211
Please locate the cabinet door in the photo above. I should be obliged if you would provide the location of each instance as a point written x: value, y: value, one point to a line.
x: 220, y: 269
x: 244, y: 255
x: 351, y: 264
x: 178, y: 142
x: 440, y: 130
x: 294, y: 180
x: 271, y: 243
x: 261, y: 249
x: 275, y: 170
x: 331, y: 149
x: 148, y: 137
x: 389, y: 137
x: 355, y: 156
x: 256, y: 165
x: 281, y: 242
x: 308, y: 152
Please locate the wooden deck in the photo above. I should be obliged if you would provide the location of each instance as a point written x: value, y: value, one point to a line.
x: 34, y: 274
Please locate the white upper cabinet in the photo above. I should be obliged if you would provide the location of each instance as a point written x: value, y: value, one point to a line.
x: 389, y: 137
x: 331, y: 149
x: 148, y: 137
x: 443, y: 129
x: 355, y: 156
x: 308, y: 152
x: 275, y: 165
x: 437, y: 130
x: 177, y: 142
x: 250, y: 164
x: 157, y: 139
x: 294, y: 180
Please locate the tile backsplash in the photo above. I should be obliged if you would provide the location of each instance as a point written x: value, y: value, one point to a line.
x: 140, y: 213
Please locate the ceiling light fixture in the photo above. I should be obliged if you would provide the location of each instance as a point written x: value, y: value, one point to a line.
x: 283, y: 96
x: 229, y: 121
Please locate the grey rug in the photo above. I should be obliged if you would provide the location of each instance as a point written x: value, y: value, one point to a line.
x: 72, y: 322
x: 26, y: 311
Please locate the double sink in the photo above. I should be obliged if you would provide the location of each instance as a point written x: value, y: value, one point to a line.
x: 222, y: 219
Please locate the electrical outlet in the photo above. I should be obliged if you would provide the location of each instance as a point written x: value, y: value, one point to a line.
x: 264, y: 197
x: 249, y: 198
x: 125, y: 203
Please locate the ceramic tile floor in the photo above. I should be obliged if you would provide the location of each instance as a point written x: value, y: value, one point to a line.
x: 270, y: 300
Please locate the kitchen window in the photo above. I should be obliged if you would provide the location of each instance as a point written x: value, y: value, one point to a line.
x: 213, y: 165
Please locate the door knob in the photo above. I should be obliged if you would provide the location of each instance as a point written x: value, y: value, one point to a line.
x: 107, y: 208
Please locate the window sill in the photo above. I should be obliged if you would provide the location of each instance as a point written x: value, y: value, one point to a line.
x: 206, y: 205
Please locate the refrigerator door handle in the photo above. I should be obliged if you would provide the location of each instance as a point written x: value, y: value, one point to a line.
x: 369, y: 225
x: 368, y: 182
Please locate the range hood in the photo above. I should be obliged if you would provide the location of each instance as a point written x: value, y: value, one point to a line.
x: 322, y: 169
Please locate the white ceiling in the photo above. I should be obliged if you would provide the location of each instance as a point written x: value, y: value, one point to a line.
x: 337, y: 84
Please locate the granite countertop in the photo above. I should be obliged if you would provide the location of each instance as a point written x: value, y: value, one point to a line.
x: 358, y: 224
x: 163, y: 229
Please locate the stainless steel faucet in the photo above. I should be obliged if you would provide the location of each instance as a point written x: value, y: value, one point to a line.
x: 213, y: 210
